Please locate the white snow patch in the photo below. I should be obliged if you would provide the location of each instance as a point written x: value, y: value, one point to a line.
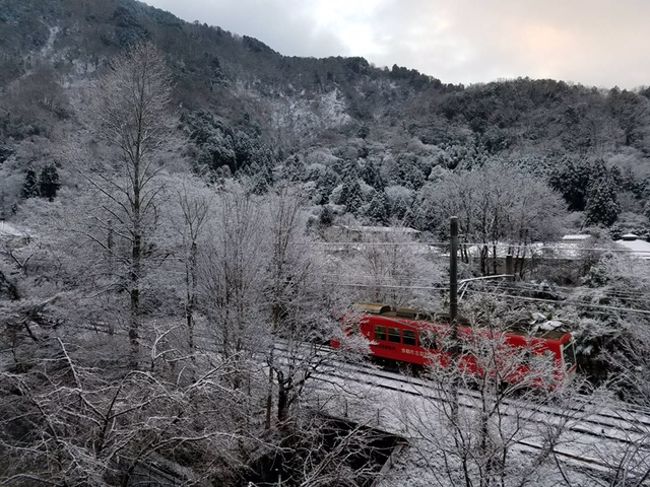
x: 7, y: 229
x: 537, y: 317
x: 576, y: 236
x: 550, y: 325
x: 303, y: 117
x: 638, y: 248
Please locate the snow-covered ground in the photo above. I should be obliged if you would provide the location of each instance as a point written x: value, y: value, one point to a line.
x: 410, y: 411
x: 593, y: 436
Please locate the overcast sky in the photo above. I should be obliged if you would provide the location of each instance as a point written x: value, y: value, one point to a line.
x: 594, y: 42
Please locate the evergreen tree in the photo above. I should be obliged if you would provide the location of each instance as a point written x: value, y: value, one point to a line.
x: 326, y: 184
x: 571, y: 179
x: 294, y: 169
x: 343, y: 194
x: 347, y: 169
x: 370, y: 174
x: 326, y: 217
x: 378, y: 209
x: 351, y: 196
x: 30, y: 186
x: 260, y: 175
x: 575, y: 178
x: 49, y: 182
x: 602, y: 206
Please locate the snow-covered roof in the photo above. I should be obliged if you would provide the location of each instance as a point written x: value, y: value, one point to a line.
x: 638, y: 248
x: 371, y: 229
x: 576, y: 236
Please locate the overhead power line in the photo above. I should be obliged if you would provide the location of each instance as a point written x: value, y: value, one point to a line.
x: 392, y: 286
x: 562, y: 302
x: 565, y: 302
x: 529, y: 248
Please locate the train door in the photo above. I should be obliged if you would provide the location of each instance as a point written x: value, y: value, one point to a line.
x: 569, y: 356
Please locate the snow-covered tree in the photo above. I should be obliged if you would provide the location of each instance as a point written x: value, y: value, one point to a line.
x: 232, y: 271
x: 350, y: 196
x: 602, y: 206
x: 298, y: 300
x: 30, y: 185
x: 195, y: 205
x: 388, y: 265
x: 378, y: 209
x: 470, y: 435
x: 495, y: 203
x: 131, y: 108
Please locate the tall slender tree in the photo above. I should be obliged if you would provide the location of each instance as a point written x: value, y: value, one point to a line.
x: 132, y: 100
x: 195, y: 208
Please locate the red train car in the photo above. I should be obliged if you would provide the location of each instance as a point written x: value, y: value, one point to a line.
x: 417, y: 338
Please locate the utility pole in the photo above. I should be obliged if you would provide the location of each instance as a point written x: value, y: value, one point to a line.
x: 453, y: 312
x: 510, y: 268
x: 453, y: 278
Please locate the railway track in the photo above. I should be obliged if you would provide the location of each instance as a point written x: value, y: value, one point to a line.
x: 626, y: 425
x: 625, y: 431
x: 623, y: 418
x: 636, y: 424
x: 576, y: 460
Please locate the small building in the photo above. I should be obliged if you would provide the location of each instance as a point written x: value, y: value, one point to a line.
x: 635, y: 246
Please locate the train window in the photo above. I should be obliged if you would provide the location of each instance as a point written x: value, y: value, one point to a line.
x: 394, y: 335
x: 408, y: 337
x: 380, y: 333
x: 428, y: 339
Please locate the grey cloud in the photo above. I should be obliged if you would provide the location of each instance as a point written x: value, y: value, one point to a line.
x: 594, y: 42
x: 283, y: 26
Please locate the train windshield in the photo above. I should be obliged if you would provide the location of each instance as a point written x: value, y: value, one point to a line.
x: 570, y: 354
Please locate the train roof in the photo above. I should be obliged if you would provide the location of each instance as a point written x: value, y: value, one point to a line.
x: 522, y: 328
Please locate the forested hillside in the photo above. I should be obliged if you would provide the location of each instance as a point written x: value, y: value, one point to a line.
x: 391, y: 134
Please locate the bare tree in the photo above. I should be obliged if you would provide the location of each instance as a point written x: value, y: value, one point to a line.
x: 495, y: 204
x: 232, y: 272
x: 131, y: 105
x: 68, y: 422
x: 504, y: 392
x: 389, y: 267
x: 195, y: 209
x: 299, y: 301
